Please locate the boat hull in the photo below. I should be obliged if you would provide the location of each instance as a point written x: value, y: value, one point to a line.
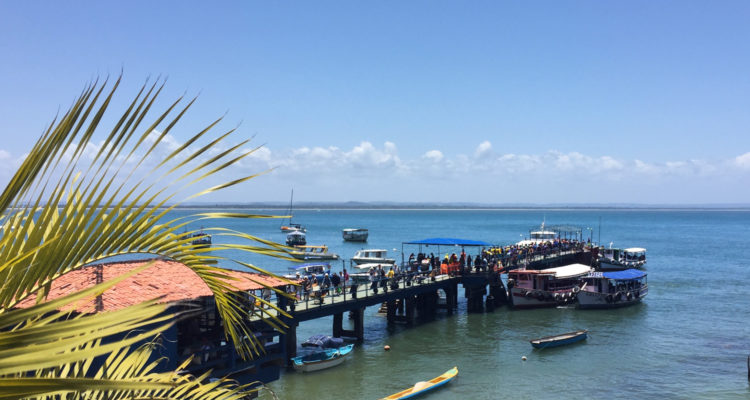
x: 559, y: 340
x: 596, y: 300
x: 526, y: 298
x: 369, y: 260
x: 423, y: 387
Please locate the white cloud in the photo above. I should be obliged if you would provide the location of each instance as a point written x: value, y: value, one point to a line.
x: 743, y: 161
x: 433, y: 155
x: 483, y: 149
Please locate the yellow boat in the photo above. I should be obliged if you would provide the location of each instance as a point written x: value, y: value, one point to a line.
x: 421, y: 387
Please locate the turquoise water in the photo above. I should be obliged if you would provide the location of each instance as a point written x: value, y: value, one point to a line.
x: 690, y: 338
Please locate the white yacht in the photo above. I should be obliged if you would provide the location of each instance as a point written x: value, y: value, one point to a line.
x: 375, y: 256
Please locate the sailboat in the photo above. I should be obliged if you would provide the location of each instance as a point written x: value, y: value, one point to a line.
x: 290, y: 227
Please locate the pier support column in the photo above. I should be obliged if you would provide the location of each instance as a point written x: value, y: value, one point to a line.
x: 411, y: 308
x: 475, y: 298
x: 338, y: 321
x: 358, y: 317
x: 290, y: 341
x: 391, y: 312
x: 400, y: 303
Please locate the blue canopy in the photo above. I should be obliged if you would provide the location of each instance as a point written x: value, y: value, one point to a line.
x: 450, y: 242
x: 624, y: 275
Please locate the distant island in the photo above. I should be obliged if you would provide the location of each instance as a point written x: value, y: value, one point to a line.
x: 358, y: 205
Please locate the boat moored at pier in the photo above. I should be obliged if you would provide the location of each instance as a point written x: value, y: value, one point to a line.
x: 612, y: 289
x: 547, y: 287
x: 296, y: 238
x: 620, y: 259
x: 372, y: 256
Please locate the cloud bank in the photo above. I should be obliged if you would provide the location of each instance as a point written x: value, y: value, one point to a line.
x: 370, y: 172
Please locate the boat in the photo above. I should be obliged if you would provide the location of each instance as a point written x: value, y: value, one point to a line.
x: 620, y: 259
x: 360, y: 273
x: 201, y: 239
x: 422, y: 387
x: 316, y: 270
x: 374, y: 256
x: 539, y: 236
x: 296, y: 238
x: 355, y: 234
x: 612, y: 289
x: 547, y: 287
x: 290, y: 227
x: 322, y: 359
x: 559, y: 340
x: 311, y: 253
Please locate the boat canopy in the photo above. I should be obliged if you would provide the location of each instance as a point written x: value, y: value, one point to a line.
x: 323, y: 341
x: 569, y: 271
x: 635, y: 250
x: 627, y: 274
x: 449, y: 242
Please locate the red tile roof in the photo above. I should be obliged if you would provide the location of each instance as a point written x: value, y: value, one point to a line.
x: 170, y: 280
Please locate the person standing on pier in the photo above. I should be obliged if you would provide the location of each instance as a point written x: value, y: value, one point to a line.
x: 374, y: 279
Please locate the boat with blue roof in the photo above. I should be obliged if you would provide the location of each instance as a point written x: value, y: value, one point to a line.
x: 612, y: 289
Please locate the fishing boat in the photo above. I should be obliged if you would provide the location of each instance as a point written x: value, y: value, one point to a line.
x: 325, y: 358
x: 372, y: 256
x: 612, y: 289
x: 547, y: 287
x: 313, y: 253
x: 296, y: 238
x: 290, y: 227
x: 620, y: 259
x: 422, y: 387
x: 355, y: 234
x: 559, y: 340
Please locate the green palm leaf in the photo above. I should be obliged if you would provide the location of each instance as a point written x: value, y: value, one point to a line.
x: 65, y: 208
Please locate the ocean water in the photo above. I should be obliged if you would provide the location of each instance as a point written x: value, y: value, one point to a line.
x: 690, y: 338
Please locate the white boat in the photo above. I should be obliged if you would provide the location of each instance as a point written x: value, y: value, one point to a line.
x: 313, y: 253
x: 355, y: 234
x: 620, y: 259
x: 316, y: 270
x: 539, y: 236
x: 360, y: 273
x: 373, y: 256
x: 296, y: 238
x: 613, y: 289
x: 547, y: 287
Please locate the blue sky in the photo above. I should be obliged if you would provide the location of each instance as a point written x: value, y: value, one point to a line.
x: 493, y: 102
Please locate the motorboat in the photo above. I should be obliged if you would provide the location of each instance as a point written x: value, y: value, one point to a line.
x: 326, y: 352
x: 547, y: 287
x: 541, y: 235
x: 360, y: 273
x: 425, y: 386
x: 355, y: 234
x: 311, y: 270
x: 311, y: 253
x: 296, y: 238
x: 374, y: 256
x: 200, y: 239
x: 612, y: 259
x: 612, y: 289
x: 559, y: 340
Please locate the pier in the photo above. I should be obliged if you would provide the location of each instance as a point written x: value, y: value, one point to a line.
x: 411, y: 297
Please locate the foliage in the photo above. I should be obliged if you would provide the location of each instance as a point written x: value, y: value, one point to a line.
x: 74, y: 202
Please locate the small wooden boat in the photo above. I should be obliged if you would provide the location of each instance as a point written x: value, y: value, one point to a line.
x: 559, y: 340
x: 422, y: 387
x: 355, y: 234
x: 322, y: 359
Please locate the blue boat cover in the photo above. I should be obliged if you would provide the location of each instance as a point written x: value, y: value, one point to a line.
x: 624, y: 275
x: 450, y: 242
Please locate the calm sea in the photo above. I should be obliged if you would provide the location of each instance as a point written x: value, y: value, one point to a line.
x: 690, y: 338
